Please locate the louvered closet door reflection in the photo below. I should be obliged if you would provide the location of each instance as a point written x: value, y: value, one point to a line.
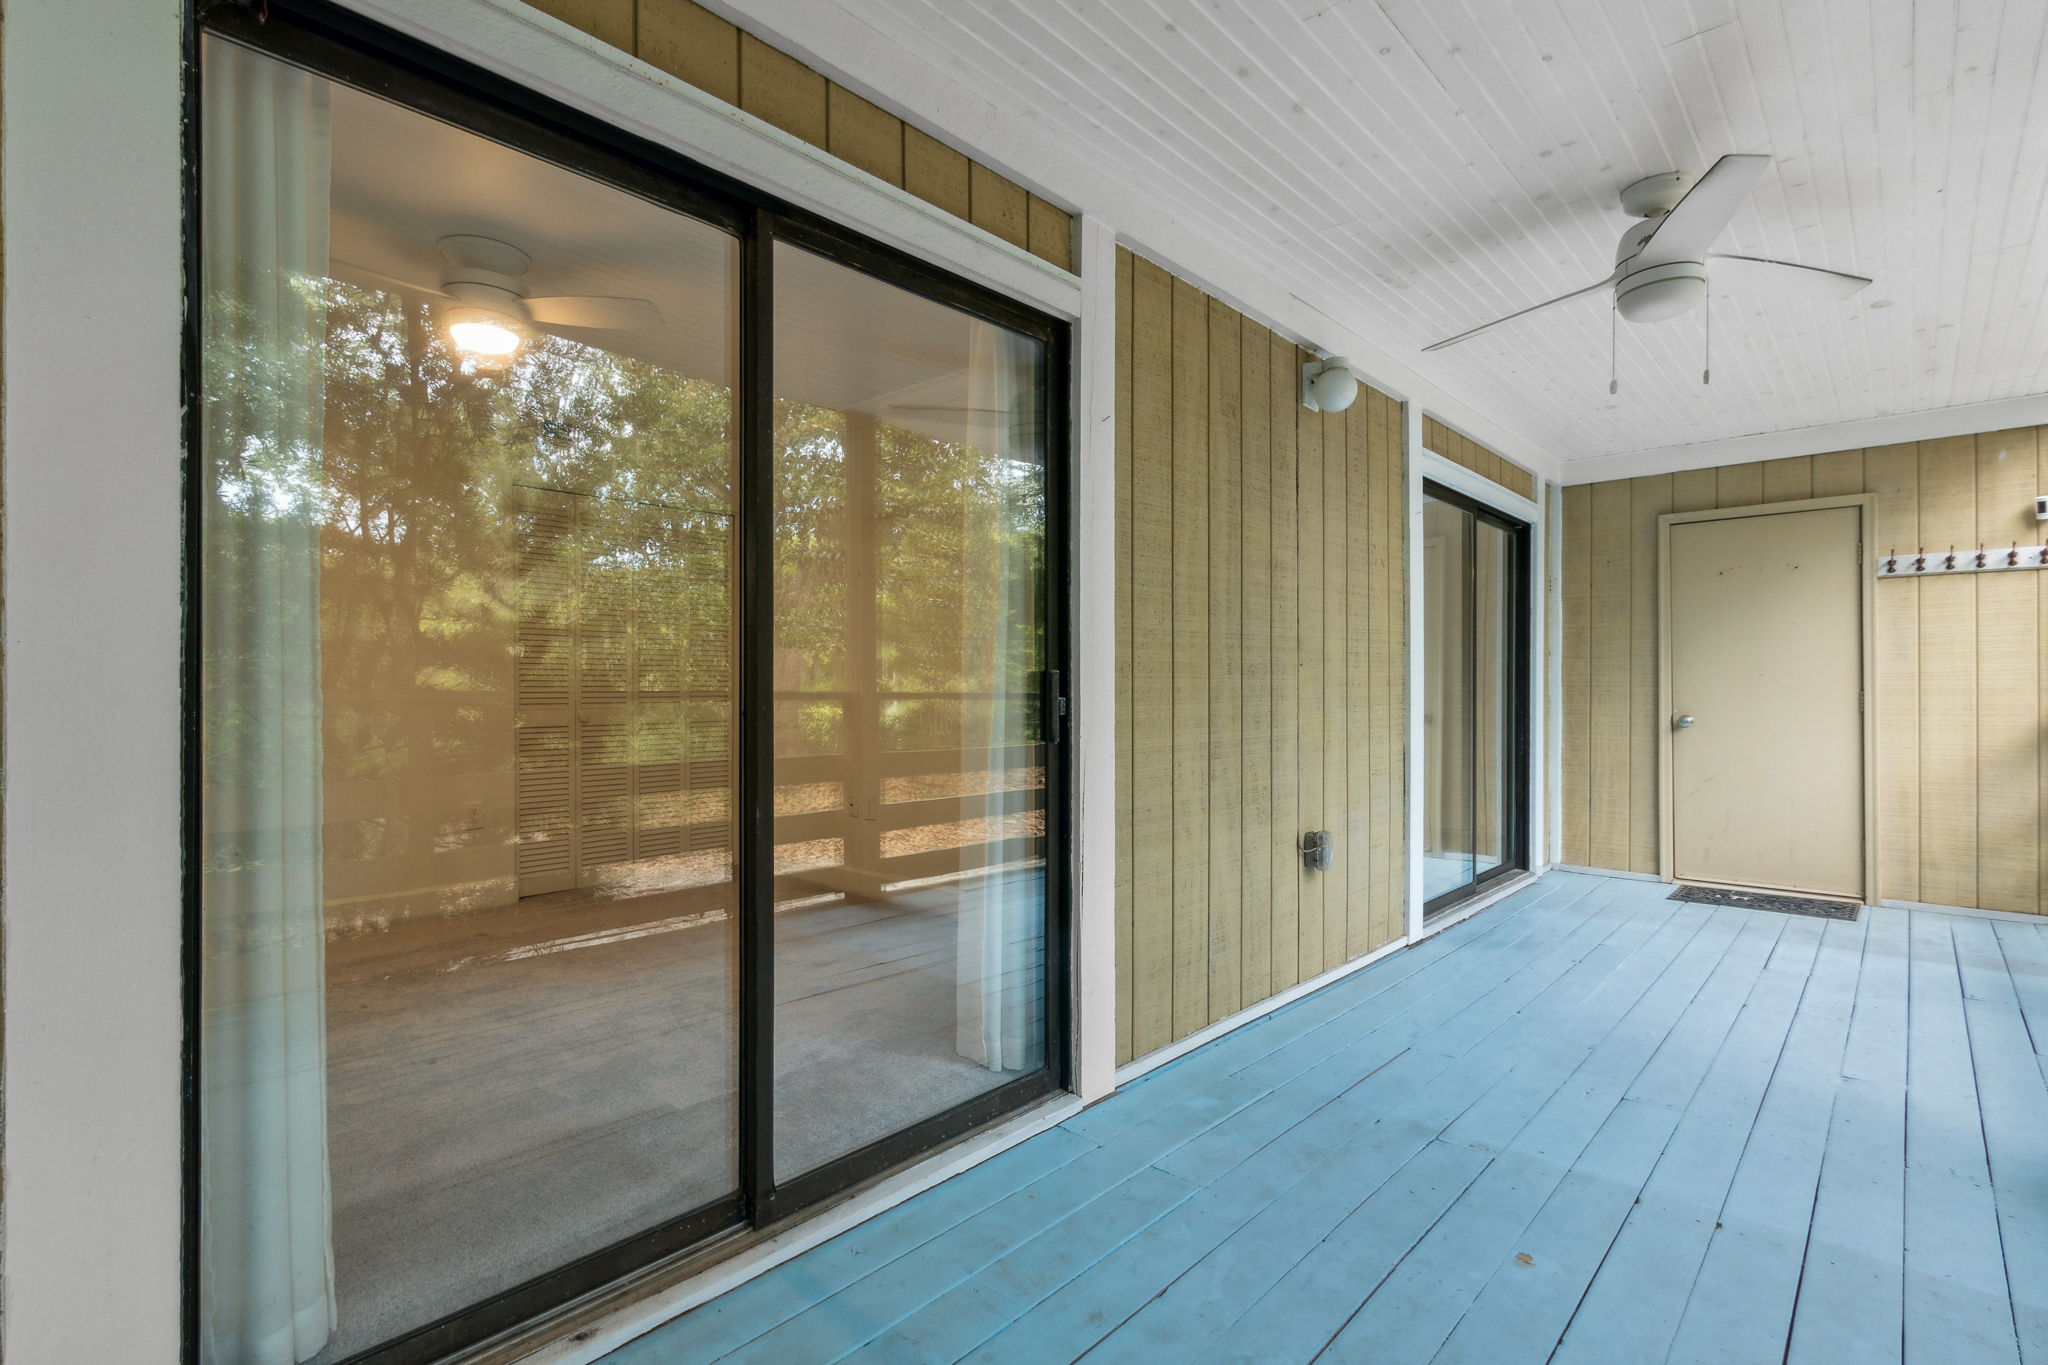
x: 625, y: 674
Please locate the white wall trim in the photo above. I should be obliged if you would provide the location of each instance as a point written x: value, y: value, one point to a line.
x: 1427, y: 465
x: 1962, y: 420
x: 1174, y: 1051
x: 1094, y: 687
x: 637, y: 1319
x: 1553, y: 685
x: 1411, y: 430
x: 838, y: 42
x: 95, y: 924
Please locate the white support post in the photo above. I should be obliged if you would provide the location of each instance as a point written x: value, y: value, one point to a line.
x: 1094, y: 684
x: 94, y: 915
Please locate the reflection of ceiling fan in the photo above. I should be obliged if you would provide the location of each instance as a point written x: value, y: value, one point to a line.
x: 489, y: 313
x: 1660, y: 268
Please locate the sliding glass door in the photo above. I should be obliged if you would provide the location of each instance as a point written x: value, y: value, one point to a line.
x: 910, y: 645
x: 1475, y: 696
x: 625, y: 637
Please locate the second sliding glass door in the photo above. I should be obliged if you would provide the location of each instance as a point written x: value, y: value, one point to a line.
x: 1475, y: 696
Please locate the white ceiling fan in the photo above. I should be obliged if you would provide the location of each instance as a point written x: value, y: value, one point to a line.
x: 489, y: 311
x: 1660, y: 268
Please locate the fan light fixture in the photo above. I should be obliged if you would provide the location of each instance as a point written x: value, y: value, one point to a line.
x: 484, y: 336
x: 1660, y: 267
x: 485, y: 310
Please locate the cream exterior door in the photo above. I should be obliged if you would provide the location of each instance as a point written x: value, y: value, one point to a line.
x: 1764, y: 616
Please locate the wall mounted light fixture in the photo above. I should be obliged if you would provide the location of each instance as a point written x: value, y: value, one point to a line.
x: 1327, y: 384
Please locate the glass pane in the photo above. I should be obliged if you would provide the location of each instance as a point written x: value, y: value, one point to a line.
x: 1450, y: 838
x: 1493, y: 645
x: 910, y: 777
x: 466, y: 565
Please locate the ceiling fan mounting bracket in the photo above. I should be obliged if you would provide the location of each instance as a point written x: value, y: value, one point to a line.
x: 1654, y: 195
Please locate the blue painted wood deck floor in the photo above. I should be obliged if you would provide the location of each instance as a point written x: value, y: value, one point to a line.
x: 1589, y: 1125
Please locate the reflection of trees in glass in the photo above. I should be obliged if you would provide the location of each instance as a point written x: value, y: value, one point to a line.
x: 411, y: 486
x: 958, y: 543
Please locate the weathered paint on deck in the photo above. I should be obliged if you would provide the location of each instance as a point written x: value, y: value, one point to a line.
x: 1589, y: 1125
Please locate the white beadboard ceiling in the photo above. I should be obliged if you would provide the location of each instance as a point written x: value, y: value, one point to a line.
x: 1417, y: 167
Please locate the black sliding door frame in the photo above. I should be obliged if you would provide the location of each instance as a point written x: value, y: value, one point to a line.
x: 339, y: 45
x: 1515, y: 693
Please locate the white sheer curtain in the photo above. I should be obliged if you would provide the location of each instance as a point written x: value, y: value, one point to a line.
x: 267, y: 1262
x: 999, y: 994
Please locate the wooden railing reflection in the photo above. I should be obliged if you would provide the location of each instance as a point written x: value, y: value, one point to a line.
x: 887, y: 825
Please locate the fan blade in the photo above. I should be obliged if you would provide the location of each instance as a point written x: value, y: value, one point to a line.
x: 1685, y: 233
x: 1836, y: 284
x: 598, y: 314
x: 1489, y: 326
x: 351, y: 272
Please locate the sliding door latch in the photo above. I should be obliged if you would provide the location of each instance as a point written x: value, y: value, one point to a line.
x: 1055, y: 707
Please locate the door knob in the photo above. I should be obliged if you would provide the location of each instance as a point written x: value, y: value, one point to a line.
x: 1681, y: 722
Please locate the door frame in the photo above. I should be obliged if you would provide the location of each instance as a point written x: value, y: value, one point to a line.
x: 1427, y: 466
x: 1866, y: 523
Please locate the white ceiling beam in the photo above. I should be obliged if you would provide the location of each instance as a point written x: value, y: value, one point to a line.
x: 1963, y: 420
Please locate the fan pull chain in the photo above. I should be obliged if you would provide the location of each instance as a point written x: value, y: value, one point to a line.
x: 1613, y: 370
x: 1707, y: 349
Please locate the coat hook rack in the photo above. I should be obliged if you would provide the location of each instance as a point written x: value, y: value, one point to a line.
x: 1924, y: 564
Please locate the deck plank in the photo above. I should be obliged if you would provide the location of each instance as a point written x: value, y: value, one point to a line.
x: 1741, y: 1302
x: 1590, y: 1124
x: 1634, y: 1302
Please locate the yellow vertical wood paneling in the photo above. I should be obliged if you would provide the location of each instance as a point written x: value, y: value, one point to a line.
x: 1892, y: 475
x: 1576, y: 724
x: 778, y: 88
x: 1190, y: 658
x: 1612, y: 594
x: 1948, y: 678
x: 1336, y: 629
x: 1309, y: 673
x: 1051, y: 234
x: 1462, y: 450
x: 1125, y: 710
x: 1837, y: 473
x: 1261, y: 661
x: 998, y: 204
x: 935, y: 172
x: 1152, y: 640
x: 687, y: 40
x: 1649, y: 498
x: 1788, y: 480
x: 1387, y: 662
x: 2008, y: 682
x: 1694, y: 490
x: 864, y: 134
x: 1738, y: 485
x: 1226, y: 661
x: 1363, y: 861
x: 1285, y: 954
x: 1256, y: 631
x: 608, y: 21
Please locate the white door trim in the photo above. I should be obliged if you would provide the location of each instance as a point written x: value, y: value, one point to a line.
x: 1866, y: 521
